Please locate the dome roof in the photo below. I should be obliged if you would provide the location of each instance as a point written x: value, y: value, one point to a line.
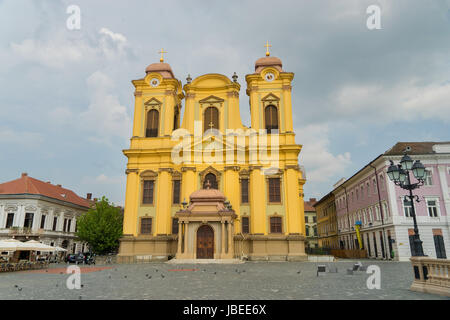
x: 208, y: 195
x: 163, y: 68
x: 268, y: 61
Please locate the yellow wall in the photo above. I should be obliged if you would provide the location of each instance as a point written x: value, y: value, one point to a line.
x: 155, y: 153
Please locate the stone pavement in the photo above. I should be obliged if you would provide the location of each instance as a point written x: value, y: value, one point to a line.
x: 251, y: 280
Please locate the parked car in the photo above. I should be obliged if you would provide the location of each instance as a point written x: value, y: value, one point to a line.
x: 89, y: 258
x: 75, y: 258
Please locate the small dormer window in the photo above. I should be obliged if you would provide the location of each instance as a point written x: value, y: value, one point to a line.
x: 63, y: 195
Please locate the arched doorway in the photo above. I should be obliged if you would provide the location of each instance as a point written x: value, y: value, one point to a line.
x: 205, y: 242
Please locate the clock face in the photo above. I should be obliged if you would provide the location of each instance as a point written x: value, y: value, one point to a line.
x: 154, y: 82
x: 269, y: 76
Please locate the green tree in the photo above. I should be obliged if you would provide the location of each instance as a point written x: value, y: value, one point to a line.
x: 101, y: 227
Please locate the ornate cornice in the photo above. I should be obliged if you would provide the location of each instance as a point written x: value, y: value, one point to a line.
x: 184, y: 169
x: 138, y: 93
x: 287, y: 87
x: 165, y: 170
x: 131, y: 170
x: 233, y: 94
x: 235, y: 168
x: 292, y: 166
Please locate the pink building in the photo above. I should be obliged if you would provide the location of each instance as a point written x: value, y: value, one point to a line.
x: 385, y: 214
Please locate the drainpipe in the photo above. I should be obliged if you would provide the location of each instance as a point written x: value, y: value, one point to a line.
x: 386, y: 250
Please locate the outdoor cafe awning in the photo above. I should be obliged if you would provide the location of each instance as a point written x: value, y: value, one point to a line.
x: 32, y: 245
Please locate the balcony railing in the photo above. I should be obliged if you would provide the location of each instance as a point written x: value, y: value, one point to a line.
x: 431, y: 275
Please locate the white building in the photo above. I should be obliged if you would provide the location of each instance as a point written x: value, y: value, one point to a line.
x: 31, y: 209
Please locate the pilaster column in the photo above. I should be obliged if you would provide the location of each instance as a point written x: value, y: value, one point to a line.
x: 230, y: 240
x: 139, y: 117
x: 168, y: 113
x: 180, y: 237
x: 223, y: 239
x: 232, y: 187
x: 188, y: 182
x: 131, y: 202
x: 164, y: 190
x: 258, y: 201
x: 186, y: 238
x: 295, y: 218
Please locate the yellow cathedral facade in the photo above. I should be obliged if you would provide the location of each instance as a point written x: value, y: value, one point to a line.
x: 206, y: 186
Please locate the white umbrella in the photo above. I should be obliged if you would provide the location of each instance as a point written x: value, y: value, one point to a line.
x: 37, y: 246
x: 60, y: 249
x: 9, y: 244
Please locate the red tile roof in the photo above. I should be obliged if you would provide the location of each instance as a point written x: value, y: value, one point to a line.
x: 309, y: 204
x: 29, y: 185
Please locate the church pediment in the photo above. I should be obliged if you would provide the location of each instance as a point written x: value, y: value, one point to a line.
x: 153, y: 102
x: 211, y: 99
x: 270, y: 97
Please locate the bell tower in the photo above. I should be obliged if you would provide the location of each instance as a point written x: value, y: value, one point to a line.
x: 157, y: 101
x: 269, y: 89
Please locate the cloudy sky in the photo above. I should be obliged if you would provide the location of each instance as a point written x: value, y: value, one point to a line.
x: 66, y: 100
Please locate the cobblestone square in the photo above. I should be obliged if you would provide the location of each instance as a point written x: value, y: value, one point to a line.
x: 248, y: 281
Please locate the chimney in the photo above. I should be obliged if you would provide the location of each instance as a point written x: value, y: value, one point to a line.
x: 312, y: 200
x: 58, y: 185
x: 24, y: 174
x: 48, y: 182
x: 89, y: 196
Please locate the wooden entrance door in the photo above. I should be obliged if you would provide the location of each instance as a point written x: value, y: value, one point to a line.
x: 205, y: 242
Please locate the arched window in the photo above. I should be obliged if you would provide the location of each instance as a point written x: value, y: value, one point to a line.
x: 211, y: 119
x: 211, y: 178
x: 271, y: 118
x: 152, y: 123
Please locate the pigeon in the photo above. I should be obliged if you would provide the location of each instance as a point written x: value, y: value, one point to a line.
x: 162, y: 276
x: 149, y: 277
x: 57, y: 285
x: 20, y: 289
x: 125, y: 277
x: 82, y: 285
x: 156, y: 270
x: 16, y: 286
x: 215, y: 272
x: 110, y: 277
x: 298, y: 272
x: 146, y: 275
x: 204, y: 270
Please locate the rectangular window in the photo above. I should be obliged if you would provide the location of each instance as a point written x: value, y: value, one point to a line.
x: 148, y: 192
x: 28, y: 223
x: 244, y: 190
x: 439, y: 244
x: 314, y: 219
x: 65, y: 225
x: 69, y: 222
x: 9, y: 220
x: 175, y: 226
x: 407, y: 207
x: 245, y: 225
x: 306, y: 219
x: 146, y: 225
x: 176, y: 192
x: 55, y: 223
x: 42, y: 221
x: 428, y: 177
x: 432, y: 208
x: 274, y: 190
x: 275, y: 225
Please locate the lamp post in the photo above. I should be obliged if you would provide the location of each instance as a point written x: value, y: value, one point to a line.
x: 400, y: 175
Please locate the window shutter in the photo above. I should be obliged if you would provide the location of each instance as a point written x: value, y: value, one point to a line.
x: 152, y: 123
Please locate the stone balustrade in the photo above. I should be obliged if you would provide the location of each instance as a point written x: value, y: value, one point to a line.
x: 431, y: 275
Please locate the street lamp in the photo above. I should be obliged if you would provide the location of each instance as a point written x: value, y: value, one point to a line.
x: 399, y: 174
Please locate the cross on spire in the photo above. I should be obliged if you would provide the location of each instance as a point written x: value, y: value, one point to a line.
x: 162, y: 57
x: 267, y: 45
